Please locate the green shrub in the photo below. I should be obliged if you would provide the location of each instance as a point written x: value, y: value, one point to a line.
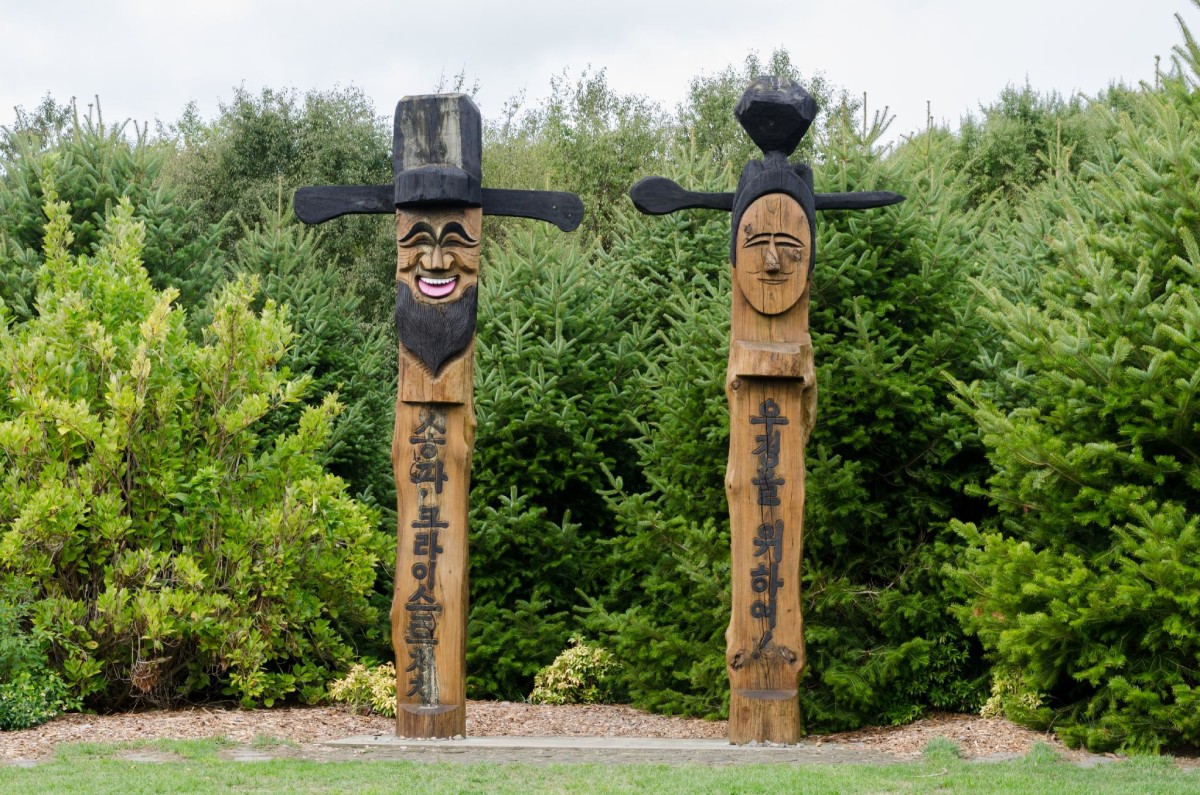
x: 30, y: 694
x: 30, y: 700
x: 175, y: 551
x: 367, y: 689
x: 582, y: 674
x: 94, y: 167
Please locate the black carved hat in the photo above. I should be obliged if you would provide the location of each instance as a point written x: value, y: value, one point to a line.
x: 775, y: 114
x: 436, y: 150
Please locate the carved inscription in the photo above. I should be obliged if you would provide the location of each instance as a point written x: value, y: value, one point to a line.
x: 765, y: 581
x: 428, y: 471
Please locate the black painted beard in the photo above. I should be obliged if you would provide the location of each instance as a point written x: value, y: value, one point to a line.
x: 435, y: 333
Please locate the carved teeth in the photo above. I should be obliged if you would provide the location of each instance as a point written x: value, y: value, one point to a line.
x: 436, y: 288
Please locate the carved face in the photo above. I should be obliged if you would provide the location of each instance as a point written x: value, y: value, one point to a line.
x: 438, y: 252
x: 774, y: 249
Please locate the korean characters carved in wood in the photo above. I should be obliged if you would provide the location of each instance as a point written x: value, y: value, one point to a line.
x: 771, y: 388
x: 438, y: 201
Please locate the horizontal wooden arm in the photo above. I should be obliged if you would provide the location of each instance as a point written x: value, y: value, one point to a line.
x: 564, y: 210
x: 659, y: 196
x: 320, y: 203
x: 860, y: 200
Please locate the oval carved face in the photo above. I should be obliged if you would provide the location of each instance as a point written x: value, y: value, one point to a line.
x: 437, y: 252
x: 773, y: 251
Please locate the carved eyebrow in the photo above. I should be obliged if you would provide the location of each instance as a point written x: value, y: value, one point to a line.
x: 455, y: 228
x: 418, y: 229
x: 781, y: 238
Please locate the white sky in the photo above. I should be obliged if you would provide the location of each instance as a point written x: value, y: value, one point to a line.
x: 147, y: 58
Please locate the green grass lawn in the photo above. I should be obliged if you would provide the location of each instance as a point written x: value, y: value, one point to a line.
x: 196, y: 767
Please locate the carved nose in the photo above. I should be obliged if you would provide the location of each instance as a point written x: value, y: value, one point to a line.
x: 439, y: 260
x: 772, y: 262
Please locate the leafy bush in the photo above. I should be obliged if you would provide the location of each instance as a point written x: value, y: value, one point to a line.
x: 175, y: 550
x: 367, y: 689
x: 582, y: 674
x: 29, y: 700
x: 30, y: 694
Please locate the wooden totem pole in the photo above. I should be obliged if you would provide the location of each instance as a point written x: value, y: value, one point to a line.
x: 772, y: 392
x: 438, y: 203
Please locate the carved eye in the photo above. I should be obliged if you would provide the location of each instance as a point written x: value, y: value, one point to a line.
x: 453, y: 240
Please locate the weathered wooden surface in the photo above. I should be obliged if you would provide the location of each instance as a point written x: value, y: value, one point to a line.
x: 438, y: 202
x: 771, y: 387
x: 431, y: 453
x: 437, y: 264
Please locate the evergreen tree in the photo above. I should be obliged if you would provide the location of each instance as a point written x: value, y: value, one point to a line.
x: 95, y: 166
x: 246, y: 164
x: 558, y: 390
x: 1084, y: 591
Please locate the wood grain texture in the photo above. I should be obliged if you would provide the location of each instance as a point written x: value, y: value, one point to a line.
x: 771, y: 388
x: 432, y: 443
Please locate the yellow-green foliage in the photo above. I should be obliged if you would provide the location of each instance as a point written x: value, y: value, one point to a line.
x: 174, y: 551
x: 583, y: 674
x: 367, y: 689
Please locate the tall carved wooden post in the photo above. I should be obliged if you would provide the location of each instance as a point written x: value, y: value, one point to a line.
x: 438, y: 204
x: 772, y: 392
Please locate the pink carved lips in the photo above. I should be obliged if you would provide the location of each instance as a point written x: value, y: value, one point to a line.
x: 436, y: 287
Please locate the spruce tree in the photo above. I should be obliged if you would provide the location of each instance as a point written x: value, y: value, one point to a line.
x: 96, y: 165
x: 1084, y: 591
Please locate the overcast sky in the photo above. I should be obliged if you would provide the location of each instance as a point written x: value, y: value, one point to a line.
x: 147, y: 58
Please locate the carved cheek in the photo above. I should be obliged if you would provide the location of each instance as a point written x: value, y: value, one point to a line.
x: 408, y: 261
x: 467, y: 259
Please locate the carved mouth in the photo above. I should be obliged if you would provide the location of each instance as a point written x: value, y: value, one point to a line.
x: 436, y: 288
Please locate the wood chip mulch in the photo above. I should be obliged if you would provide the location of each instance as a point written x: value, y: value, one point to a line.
x: 977, y: 737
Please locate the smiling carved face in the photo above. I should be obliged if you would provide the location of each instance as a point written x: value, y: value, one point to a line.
x: 437, y: 253
x: 774, y: 247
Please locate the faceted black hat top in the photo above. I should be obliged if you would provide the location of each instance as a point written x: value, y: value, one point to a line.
x: 776, y: 113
